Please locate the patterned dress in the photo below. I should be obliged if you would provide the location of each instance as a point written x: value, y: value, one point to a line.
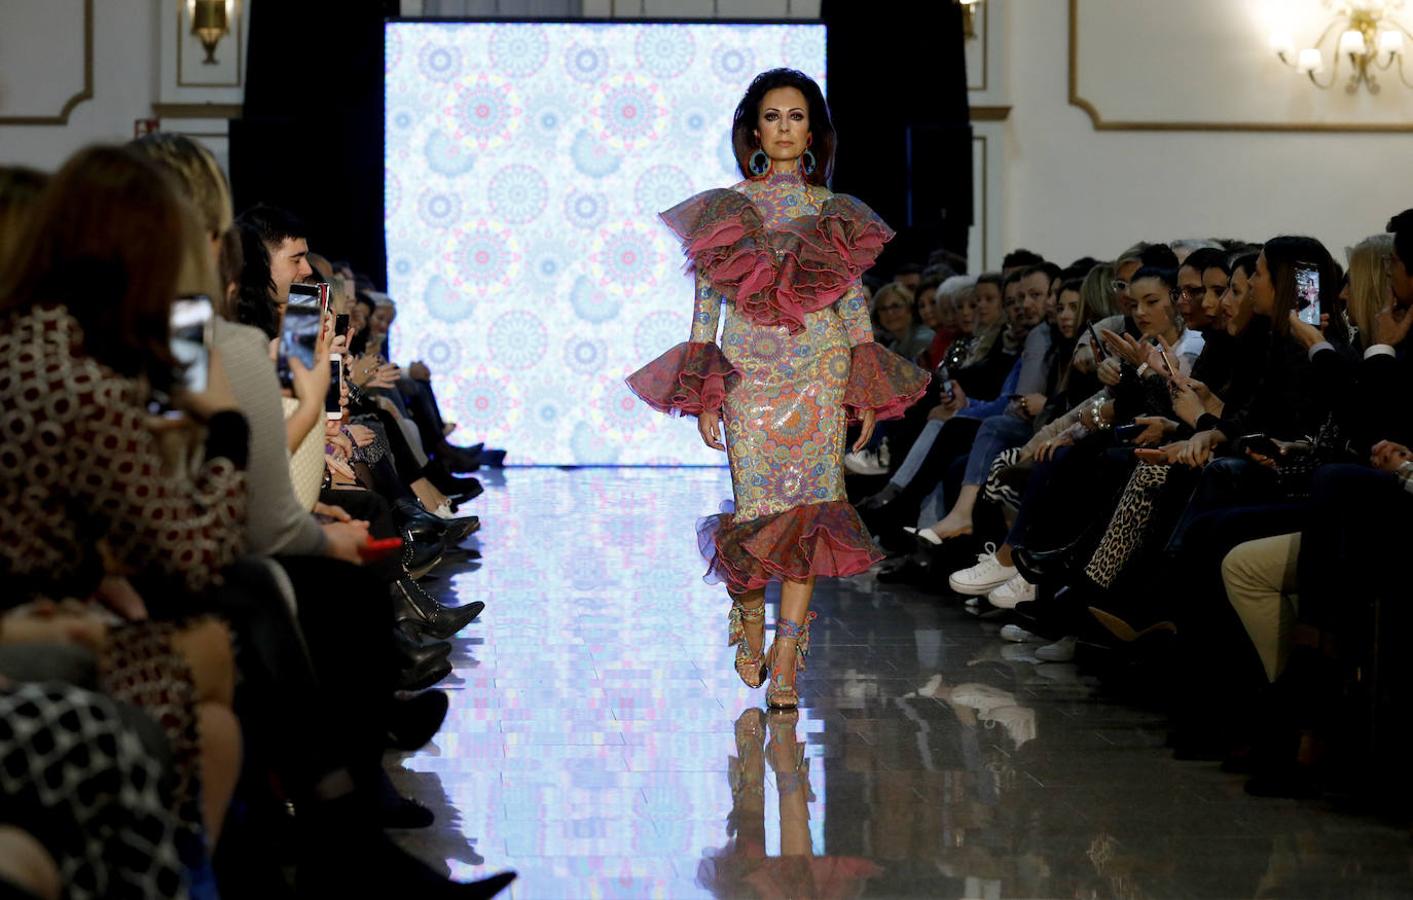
x: 796, y: 362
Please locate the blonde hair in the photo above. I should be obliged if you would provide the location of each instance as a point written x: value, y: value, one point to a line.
x: 1097, y: 294
x: 888, y: 291
x: 1368, y: 281
x: 198, y: 175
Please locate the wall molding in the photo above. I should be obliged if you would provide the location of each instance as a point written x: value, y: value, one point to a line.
x: 62, y: 118
x: 990, y: 113
x: 197, y: 110
x: 1102, y: 124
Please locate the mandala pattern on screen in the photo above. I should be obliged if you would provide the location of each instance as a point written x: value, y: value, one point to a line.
x: 525, y: 168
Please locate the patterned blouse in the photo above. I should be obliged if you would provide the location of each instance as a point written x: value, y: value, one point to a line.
x: 78, y: 464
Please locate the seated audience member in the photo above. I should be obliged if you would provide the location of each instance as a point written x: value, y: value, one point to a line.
x: 895, y: 322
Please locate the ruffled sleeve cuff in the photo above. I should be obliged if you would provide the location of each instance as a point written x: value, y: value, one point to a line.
x: 689, y: 378
x: 882, y: 381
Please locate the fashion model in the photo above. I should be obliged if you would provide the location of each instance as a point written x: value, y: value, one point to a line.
x: 783, y: 255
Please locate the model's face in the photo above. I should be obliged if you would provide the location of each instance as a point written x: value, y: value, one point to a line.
x: 1034, y: 293
x: 1236, y: 303
x: 783, y: 125
x: 1067, y: 314
x: 927, y: 310
x: 1122, y: 274
x: 966, y: 312
x: 988, y: 305
x: 894, y: 313
x: 1263, y: 288
x: 1153, y: 311
x: 1214, y: 287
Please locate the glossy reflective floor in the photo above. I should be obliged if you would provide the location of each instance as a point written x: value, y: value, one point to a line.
x: 600, y: 743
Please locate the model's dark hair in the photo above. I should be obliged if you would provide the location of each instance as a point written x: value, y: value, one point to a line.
x: 743, y: 123
x: 1401, y: 227
x: 1207, y: 258
x: 100, y: 241
x: 1282, y: 253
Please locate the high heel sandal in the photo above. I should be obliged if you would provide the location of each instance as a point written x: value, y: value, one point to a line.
x: 782, y: 694
x: 750, y: 664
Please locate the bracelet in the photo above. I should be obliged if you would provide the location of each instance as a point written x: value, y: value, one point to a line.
x: 1096, y: 411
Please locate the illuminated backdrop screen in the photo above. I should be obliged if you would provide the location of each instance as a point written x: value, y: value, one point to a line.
x: 525, y: 167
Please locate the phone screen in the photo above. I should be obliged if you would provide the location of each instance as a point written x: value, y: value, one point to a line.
x: 300, y: 331
x: 331, y: 396
x: 190, y: 340
x: 1099, y: 352
x: 341, y: 324
x: 1307, y: 293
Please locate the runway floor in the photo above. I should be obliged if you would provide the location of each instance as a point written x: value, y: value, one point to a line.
x: 600, y: 743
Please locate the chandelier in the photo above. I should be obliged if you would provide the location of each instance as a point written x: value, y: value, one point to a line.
x: 1363, y: 33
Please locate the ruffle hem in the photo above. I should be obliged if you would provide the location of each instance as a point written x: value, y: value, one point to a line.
x: 825, y: 539
x: 691, y: 377
x: 882, y: 381
x: 775, y: 276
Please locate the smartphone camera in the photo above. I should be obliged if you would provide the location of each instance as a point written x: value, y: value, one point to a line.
x: 1307, y: 293
x: 191, y: 341
x: 332, y: 409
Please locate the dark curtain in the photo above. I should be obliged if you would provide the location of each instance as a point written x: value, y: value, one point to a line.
x: 311, y: 137
x: 898, y: 95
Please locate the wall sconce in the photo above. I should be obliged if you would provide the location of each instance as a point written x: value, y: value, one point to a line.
x: 1369, y: 37
x: 210, y: 21
x: 969, y: 17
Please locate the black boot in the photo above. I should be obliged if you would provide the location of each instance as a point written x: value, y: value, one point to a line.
x: 417, y: 609
x: 415, y: 721
x: 459, y: 489
x: 420, y: 556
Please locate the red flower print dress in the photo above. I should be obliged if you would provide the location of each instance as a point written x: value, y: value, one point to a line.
x: 796, y: 359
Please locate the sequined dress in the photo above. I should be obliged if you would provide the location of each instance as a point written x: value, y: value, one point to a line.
x: 796, y: 362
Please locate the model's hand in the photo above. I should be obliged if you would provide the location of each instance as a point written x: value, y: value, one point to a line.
x: 709, y: 427
x: 869, y: 418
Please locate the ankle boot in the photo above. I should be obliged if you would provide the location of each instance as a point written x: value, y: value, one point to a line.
x: 416, y: 609
x: 420, y: 556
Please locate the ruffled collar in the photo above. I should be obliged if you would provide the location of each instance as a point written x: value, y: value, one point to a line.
x: 783, y: 178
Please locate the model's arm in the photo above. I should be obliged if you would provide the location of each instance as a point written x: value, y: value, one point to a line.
x: 879, y: 379
x: 694, y: 376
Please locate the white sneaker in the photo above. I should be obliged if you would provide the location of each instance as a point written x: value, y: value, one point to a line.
x: 1060, y: 651
x: 1015, y: 590
x: 1018, y: 635
x: 984, y: 577
x: 864, y: 462
x: 884, y: 458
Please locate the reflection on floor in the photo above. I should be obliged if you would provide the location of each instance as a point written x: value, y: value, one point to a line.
x: 600, y: 742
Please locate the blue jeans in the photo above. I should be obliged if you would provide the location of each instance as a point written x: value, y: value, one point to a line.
x: 997, y: 433
x: 912, y: 463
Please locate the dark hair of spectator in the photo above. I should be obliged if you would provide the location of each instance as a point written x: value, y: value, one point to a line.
x: 1282, y: 254
x: 1158, y: 256
x: 231, y: 264
x: 1020, y: 258
x: 255, y: 300
x: 1245, y: 264
x: 1401, y: 226
x: 1014, y: 276
x: 273, y: 225
x: 995, y: 278
x: 743, y: 123
x: 104, y: 240
x: 1206, y: 258
x: 1167, y: 276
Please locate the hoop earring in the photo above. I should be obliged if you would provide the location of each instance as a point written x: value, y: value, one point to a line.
x: 759, y: 164
x: 808, y: 163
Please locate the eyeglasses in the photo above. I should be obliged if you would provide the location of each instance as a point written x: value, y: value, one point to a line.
x: 1191, y: 293
x: 891, y: 307
x: 1118, y: 287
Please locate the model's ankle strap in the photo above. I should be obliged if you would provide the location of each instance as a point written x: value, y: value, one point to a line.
x: 788, y: 630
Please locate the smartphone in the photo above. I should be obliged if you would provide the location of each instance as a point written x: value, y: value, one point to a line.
x: 944, y: 378
x: 1128, y: 433
x: 1258, y: 443
x: 191, y: 341
x: 341, y: 325
x: 299, y: 333
x: 323, y: 292
x: 332, y: 410
x: 379, y: 548
x: 1100, y: 353
x: 1307, y: 293
x: 1167, y: 360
